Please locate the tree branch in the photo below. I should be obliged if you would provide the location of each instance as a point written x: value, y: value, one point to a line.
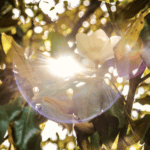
x: 115, y: 26
x: 145, y: 77
x: 90, y: 10
x: 133, y: 84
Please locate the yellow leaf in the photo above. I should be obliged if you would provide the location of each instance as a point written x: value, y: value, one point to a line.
x: 15, y: 53
x: 109, y: 1
x: 6, y: 42
x: 129, y: 39
x: 126, y: 52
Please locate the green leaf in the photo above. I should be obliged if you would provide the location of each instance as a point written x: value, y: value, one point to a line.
x: 4, y: 121
x: 14, y: 108
x: 145, y: 33
x: 107, y: 125
x: 26, y: 131
x: 146, y: 137
x: 59, y: 45
x: 95, y: 141
x: 107, y: 129
x: 117, y: 110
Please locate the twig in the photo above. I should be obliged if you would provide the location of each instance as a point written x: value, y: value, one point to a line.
x: 115, y: 26
x: 32, y: 28
x: 91, y: 8
x: 145, y: 77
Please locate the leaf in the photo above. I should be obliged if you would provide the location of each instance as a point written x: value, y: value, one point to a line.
x: 139, y: 128
x: 95, y: 141
x: 107, y: 129
x: 4, y: 121
x: 14, y: 108
x: 93, y: 98
x: 56, y: 110
x: 117, y: 110
x: 109, y: 1
x: 7, y: 21
x: 26, y: 131
x: 130, y: 10
x: 59, y: 45
x: 146, y: 137
x: 143, y: 101
x: 127, y: 58
x: 56, y: 2
x: 15, y: 54
x: 83, y: 131
x: 108, y: 124
x: 145, y: 33
x: 129, y: 38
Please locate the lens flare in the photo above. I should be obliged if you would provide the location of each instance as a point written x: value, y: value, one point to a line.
x: 64, y: 67
x: 62, y: 89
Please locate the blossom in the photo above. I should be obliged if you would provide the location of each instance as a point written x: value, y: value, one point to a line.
x: 97, y: 47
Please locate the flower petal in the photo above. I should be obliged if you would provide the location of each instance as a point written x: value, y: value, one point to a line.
x: 83, y: 44
x: 127, y: 64
x: 99, y: 34
x: 107, y: 52
x: 99, y: 40
x: 115, y: 40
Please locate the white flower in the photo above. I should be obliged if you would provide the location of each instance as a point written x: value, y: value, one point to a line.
x: 97, y: 47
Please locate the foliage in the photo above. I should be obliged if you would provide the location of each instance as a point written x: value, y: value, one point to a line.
x: 28, y: 30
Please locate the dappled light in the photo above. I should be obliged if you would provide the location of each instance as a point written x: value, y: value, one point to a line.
x: 75, y: 74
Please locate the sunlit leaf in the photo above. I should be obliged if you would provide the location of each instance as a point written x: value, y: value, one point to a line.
x: 15, y: 54
x: 5, y: 29
x: 127, y: 58
x: 139, y: 128
x: 109, y: 1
